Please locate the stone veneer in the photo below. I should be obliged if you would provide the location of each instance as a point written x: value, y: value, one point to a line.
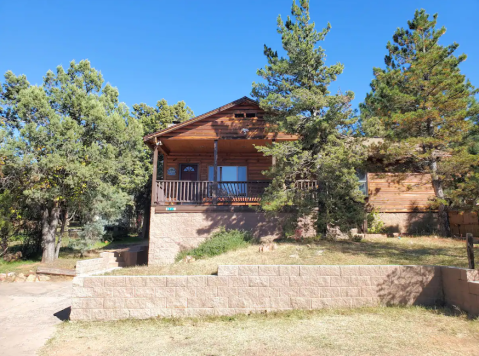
x: 174, y: 231
x: 259, y: 288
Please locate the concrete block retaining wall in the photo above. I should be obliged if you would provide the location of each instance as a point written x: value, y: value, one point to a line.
x: 174, y: 231
x: 93, y: 265
x: 461, y: 288
x: 245, y: 289
x: 131, y: 256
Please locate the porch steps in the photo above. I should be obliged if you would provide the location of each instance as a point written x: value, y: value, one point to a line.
x: 116, y: 260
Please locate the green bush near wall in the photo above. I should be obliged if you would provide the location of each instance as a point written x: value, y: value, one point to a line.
x: 220, y: 242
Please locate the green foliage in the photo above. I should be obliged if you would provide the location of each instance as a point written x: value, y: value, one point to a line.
x: 69, y: 145
x: 220, y: 242
x: 158, y: 118
x: 295, y: 95
x: 422, y: 105
x: 154, y: 119
x: 375, y: 224
x: 92, y: 233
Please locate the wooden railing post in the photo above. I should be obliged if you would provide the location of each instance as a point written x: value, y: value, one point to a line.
x: 153, y: 179
x: 215, y: 173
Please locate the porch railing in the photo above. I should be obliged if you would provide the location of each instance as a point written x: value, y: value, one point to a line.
x: 201, y: 192
x: 169, y: 192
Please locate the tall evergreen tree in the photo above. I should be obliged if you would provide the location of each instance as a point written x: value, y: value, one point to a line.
x: 158, y: 118
x: 297, y: 100
x: 69, y: 144
x: 421, y: 103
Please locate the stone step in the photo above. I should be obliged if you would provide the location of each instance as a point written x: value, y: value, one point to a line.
x: 116, y: 264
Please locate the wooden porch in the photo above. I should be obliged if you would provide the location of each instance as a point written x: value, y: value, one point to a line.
x: 173, y: 192
x: 180, y: 192
x: 212, y: 160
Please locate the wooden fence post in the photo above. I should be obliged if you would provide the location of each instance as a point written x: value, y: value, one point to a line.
x: 470, y: 250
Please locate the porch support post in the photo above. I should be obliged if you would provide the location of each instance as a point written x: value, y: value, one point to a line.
x: 153, y: 179
x: 215, y: 173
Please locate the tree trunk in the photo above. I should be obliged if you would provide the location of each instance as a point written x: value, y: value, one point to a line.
x: 62, y: 231
x: 146, y: 222
x: 49, y: 226
x: 442, y: 213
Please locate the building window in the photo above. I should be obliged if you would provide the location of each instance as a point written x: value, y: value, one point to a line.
x: 228, y: 173
x: 251, y: 114
x: 363, y: 182
x: 239, y: 116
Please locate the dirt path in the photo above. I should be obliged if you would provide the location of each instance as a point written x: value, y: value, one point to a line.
x: 29, y: 313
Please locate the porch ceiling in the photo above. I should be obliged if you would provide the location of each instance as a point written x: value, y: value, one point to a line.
x: 206, y: 146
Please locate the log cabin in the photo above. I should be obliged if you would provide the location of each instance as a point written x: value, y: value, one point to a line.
x: 213, y: 176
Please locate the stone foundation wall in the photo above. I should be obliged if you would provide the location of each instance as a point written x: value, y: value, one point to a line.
x: 172, y: 232
x: 410, y: 223
x: 246, y: 289
x: 461, y: 288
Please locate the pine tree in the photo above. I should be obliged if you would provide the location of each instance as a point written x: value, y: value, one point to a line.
x: 158, y: 118
x: 68, y: 144
x: 297, y: 100
x: 421, y: 103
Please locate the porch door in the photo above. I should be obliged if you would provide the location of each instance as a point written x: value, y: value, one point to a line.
x: 188, y: 171
x: 188, y: 190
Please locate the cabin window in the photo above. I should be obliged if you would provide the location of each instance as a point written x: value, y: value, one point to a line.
x: 241, y: 115
x: 251, y: 114
x: 228, y: 173
x: 363, y: 182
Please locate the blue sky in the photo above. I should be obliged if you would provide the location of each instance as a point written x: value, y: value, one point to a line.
x: 207, y: 52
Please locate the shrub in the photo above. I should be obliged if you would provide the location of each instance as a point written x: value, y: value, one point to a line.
x: 218, y: 243
x: 91, y: 234
x: 375, y: 224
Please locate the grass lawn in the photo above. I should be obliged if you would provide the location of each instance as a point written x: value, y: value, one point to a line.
x: 67, y: 258
x: 367, y: 331
x: 404, y: 251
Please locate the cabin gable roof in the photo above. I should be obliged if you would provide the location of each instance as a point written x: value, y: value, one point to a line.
x: 243, y: 100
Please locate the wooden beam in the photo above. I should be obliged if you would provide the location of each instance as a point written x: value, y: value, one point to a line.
x: 215, y: 172
x: 153, y: 179
x: 163, y: 149
x: 56, y: 271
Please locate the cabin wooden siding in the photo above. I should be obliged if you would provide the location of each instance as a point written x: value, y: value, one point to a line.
x: 464, y: 222
x: 391, y: 193
x: 256, y: 163
x: 224, y: 125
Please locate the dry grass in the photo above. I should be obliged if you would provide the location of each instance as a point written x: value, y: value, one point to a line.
x: 404, y: 251
x: 368, y: 331
x: 68, y: 257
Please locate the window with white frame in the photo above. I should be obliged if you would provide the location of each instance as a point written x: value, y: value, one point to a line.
x: 363, y: 182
